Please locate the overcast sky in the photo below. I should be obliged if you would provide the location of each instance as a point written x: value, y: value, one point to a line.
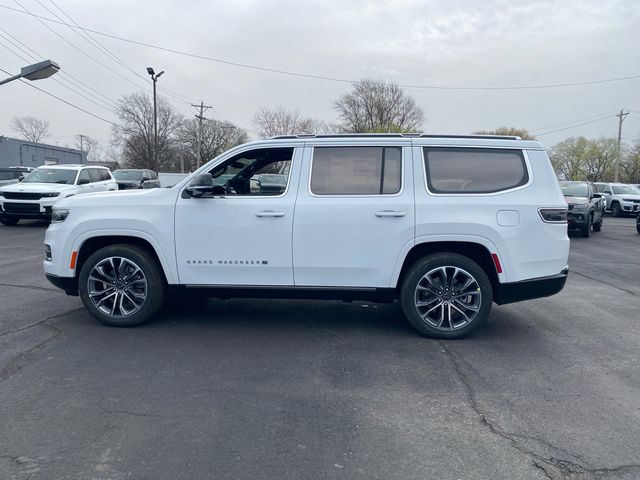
x: 469, y: 43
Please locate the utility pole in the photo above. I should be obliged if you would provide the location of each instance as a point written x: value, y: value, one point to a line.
x: 82, y: 137
x: 622, y: 115
x: 154, y: 78
x: 202, y: 107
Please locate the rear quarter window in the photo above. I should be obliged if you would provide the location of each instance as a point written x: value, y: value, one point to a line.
x: 474, y: 170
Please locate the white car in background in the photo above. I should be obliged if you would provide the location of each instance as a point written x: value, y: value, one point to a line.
x: 33, y: 198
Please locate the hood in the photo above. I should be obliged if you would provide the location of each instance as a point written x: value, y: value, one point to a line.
x: 575, y: 200
x: 630, y: 196
x: 36, y: 187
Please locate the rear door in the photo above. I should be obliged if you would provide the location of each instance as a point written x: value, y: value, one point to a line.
x: 354, y: 213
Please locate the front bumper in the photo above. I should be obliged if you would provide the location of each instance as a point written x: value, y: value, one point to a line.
x: 68, y: 284
x: 630, y: 207
x: 530, y: 289
x: 27, y: 208
x: 577, y: 219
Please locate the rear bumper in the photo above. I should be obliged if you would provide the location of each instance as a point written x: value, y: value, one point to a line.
x: 68, y: 284
x: 530, y: 289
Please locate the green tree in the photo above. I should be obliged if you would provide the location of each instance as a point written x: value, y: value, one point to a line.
x: 511, y: 131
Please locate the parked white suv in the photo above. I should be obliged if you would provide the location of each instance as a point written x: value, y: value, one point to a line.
x: 621, y: 198
x: 447, y: 225
x: 35, y: 196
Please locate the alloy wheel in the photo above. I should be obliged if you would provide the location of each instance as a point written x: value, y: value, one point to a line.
x: 447, y: 298
x: 117, y: 287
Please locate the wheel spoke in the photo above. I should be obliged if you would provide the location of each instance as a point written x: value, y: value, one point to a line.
x: 447, y: 298
x: 117, y: 287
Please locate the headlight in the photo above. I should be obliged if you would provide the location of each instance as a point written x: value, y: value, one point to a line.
x: 59, y: 214
x: 52, y: 194
x: 581, y: 206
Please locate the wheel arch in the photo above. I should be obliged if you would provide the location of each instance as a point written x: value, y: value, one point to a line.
x: 91, y: 244
x: 475, y: 251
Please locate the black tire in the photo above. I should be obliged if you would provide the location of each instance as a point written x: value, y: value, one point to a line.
x: 585, y: 231
x: 9, y: 221
x: 616, y: 211
x: 598, y: 226
x: 150, y: 272
x: 481, y: 294
x: 638, y: 227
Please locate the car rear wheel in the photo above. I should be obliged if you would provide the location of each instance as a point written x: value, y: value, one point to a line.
x: 9, y: 221
x: 446, y: 295
x: 121, y: 285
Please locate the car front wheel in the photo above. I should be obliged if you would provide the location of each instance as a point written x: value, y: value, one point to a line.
x: 121, y: 285
x: 446, y: 295
x: 616, y: 211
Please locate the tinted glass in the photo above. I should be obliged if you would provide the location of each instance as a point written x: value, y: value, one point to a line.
x: 83, y: 176
x: 10, y: 174
x: 474, y: 170
x: 622, y: 189
x: 574, y: 189
x: 240, y: 175
x: 94, y: 175
x: 51, y: 175
x: 134, y: 175
x: 356, y: 170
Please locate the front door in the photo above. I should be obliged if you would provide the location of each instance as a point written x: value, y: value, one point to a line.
x: 244, y: 236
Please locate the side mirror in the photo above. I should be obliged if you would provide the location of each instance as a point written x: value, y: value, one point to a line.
x: 199, y: 186
x: 83, y: 181
x: 20, y: 178
x: 597, y: 195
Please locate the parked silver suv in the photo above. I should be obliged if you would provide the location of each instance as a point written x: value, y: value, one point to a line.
x: 621, y: 198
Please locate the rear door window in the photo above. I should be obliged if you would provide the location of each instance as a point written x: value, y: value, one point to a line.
x: 94, y: 175
x: 356, y: 170
x: 474, y: 170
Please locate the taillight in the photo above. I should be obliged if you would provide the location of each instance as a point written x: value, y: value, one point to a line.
x: 553, y: 215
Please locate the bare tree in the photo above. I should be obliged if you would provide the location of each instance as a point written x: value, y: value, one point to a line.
x: 32, y: 129
x: 378, y: 107
x: 134, y: 132
x: 89, y: 145
x: 568, y: 158
x: 511, y: 131
x: 217, y: 136
x: 270, y: 122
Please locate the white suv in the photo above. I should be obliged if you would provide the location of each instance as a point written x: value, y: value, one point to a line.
x: 35, y: 196
x: 446, y: 225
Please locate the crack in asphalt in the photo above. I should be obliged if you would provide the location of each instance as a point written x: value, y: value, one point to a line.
x: 14, y: 364
x: 599, y: 280
x: 552, y: 467
x: 32, y: 287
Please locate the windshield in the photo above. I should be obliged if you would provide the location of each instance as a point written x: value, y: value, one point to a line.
x: 574, y: 189
x: 51, y: 175
x: 127, y: 175
x: 625, y: 189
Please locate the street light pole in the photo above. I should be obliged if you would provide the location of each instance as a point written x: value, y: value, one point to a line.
x: 37, y: 71
x: 154, y: 78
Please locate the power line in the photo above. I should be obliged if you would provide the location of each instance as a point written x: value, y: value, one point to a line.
x: 590, y: 117
x: 324, y: 77
x: 63, y: 100
x: 96, y: 44
x: 72, y: 87
x: 573, y: 126
x: 75, y: 47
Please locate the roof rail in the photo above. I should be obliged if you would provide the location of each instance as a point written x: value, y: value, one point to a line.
x: 392, y: 135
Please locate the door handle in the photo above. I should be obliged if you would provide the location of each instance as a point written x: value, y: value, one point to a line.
x: 269, y: 213
x: 390, y: 213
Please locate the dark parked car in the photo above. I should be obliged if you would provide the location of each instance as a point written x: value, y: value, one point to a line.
x: 586, y: 206
x: 136, y: 178
x: 10, y: 175
x: 638, y: 223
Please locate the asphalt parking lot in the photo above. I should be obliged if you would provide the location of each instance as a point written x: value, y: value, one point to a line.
x: 242, y: 389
